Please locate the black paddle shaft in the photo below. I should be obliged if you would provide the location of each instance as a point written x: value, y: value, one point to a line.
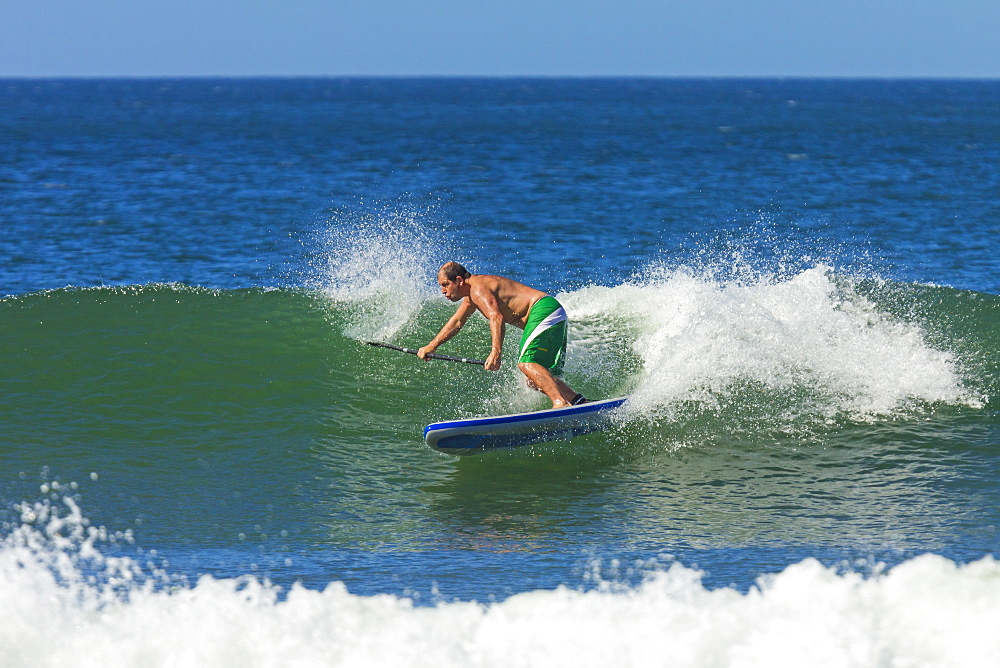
x: 433, y: 356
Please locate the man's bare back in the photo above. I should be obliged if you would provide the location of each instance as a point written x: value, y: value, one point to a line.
x: 513, y: 299
x: 502, y: 301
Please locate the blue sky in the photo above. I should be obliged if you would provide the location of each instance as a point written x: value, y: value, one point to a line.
x: 852, y: 38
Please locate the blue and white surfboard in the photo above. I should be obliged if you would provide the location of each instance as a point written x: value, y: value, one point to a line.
x: 475, y: 435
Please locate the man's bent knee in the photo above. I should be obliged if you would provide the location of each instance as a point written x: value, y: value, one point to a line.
x: 528, y: 368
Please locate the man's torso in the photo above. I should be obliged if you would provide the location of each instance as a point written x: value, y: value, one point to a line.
x: 514, y: 299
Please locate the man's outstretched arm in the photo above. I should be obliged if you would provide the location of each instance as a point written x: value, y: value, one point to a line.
x: 450, y: 329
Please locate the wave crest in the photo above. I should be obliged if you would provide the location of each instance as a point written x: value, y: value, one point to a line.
x: 811, y: 346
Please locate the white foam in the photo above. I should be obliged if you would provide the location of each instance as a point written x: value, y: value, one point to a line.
x: 927, y: 611
x: 697, y: 336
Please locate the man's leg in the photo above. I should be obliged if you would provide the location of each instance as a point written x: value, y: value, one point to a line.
x: 555, y: 389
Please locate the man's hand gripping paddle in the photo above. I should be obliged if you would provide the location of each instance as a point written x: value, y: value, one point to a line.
x: 433, y: 356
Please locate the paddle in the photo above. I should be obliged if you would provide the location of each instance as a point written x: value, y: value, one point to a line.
x: 433, y: 356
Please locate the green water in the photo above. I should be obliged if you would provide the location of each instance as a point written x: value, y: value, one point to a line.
x: 243, y: 428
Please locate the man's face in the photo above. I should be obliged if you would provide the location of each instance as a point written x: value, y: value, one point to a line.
x: 449, y: 288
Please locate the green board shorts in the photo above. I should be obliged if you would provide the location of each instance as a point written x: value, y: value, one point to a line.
x: 544, y: 338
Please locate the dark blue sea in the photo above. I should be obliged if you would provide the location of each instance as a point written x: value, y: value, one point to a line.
x: 202, y: 464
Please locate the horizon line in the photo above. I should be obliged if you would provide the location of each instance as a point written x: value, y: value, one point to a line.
x: 801, y: 77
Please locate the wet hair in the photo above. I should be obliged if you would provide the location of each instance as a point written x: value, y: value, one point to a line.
x: 452, y: 270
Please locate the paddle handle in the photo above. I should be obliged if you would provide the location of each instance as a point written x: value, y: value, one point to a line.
x: 433, y: 356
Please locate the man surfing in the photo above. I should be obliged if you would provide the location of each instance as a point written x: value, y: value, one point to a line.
x: 506, y: 302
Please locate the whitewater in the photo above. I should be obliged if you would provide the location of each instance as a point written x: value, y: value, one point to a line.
x: 66, y: 602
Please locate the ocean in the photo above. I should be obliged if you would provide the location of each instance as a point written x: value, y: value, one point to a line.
x: 202, y: 464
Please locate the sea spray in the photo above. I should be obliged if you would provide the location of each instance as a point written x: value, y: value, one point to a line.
x: 787, y: 352
x: 380, y: 261
x: 811, y: 338
x: 752, y: 318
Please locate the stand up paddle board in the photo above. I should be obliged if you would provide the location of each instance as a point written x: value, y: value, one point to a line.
x: 475, y: 435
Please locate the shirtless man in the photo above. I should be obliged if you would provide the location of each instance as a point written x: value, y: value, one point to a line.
x: 507, y: 302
